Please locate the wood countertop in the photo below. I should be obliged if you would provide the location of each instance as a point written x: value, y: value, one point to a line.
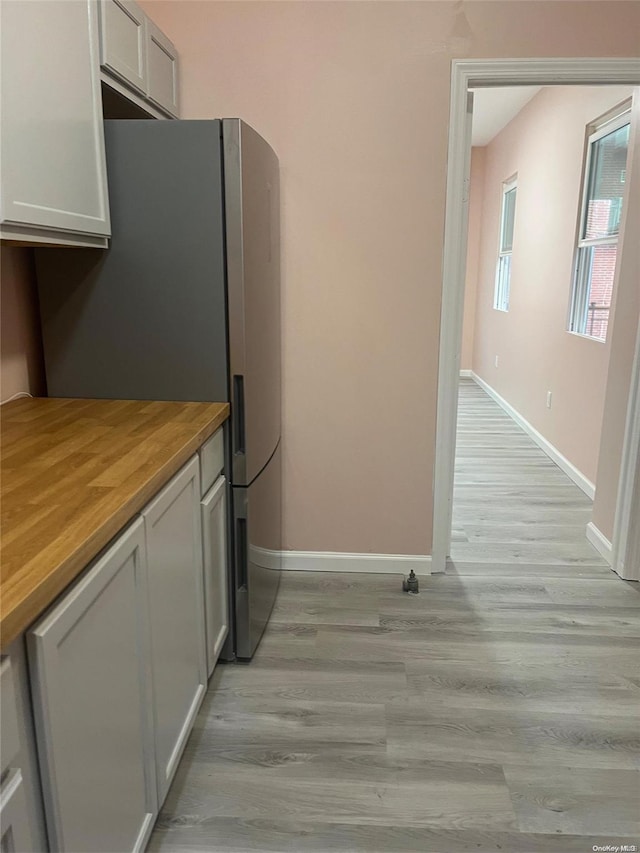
x: 74, y: 473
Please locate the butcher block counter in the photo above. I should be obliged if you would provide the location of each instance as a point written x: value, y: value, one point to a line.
x: 74, y: 473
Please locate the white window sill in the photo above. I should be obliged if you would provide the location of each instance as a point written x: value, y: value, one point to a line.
x: 585, y: 337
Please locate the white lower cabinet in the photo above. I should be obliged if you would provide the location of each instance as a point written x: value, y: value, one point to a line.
x: 92, y: 707
x: 10, y: 735
x: 15, y: 831
x: 22, y: 828
x: 178, y: 667
x: 118, y: 671
x: 214, y: 541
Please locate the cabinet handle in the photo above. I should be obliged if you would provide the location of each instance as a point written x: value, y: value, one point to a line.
x: 238, y: 415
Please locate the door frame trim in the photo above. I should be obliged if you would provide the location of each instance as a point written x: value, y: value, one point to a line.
x: 626, y: 536
x: 466, y: 74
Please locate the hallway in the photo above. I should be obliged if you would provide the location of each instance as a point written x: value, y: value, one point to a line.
x: 511, y: 503
x: 495, y: 711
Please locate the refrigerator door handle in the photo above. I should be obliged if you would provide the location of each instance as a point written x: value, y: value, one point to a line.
x: 241, y: 553
x: 238, y: 416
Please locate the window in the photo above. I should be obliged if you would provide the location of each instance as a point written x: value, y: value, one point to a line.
x: 503, y: 269
x: 600, y: 212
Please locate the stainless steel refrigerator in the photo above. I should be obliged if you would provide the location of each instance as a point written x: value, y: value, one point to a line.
x: 185, y: 305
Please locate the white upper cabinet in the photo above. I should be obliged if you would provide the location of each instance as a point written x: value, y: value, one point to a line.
x: 53, y: 183
x: 162, y: 65
x: 123, y: 41
x: 136, y: 53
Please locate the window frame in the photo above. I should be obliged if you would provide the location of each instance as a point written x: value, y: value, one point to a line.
x: 608, y: 123
x: 502, y: 284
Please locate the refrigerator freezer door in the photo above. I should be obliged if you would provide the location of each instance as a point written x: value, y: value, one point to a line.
x: 252, y: 207
x: 257, y: 559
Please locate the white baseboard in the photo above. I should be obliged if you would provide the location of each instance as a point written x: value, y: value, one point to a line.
x: 331, y: 561
x: 466, y: 374
x: 600, y: 542
x: 553, y: 453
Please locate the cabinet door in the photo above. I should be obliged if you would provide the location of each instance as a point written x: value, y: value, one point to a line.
x: 9, y: 734
x: 18, y: 751
x: 174, y: 548
x: 214, y: 541
x: 92, y: 706
x: 52, y: 162
x: 123, y: 42
x: 162, y: 67
x: 15, y: 834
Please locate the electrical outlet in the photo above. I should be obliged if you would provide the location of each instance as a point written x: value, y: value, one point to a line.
x: 548, y: 399
x: 496, y: 361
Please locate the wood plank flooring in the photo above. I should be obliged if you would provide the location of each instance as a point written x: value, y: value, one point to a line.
x: 511, y: 503
x: 495, y: 711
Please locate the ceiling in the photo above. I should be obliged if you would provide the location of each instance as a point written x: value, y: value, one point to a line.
x: 493, y: 109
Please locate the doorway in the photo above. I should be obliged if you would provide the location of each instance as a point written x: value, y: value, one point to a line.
x: 491, y: 74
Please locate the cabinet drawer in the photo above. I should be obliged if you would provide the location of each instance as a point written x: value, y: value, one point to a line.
x: 9, y: 737
x: 211, y: 460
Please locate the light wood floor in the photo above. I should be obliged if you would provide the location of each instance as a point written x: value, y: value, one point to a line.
x: 511, y: 503
x: 495, y: 711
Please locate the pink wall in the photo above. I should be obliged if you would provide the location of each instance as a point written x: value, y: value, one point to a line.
x: 544, y: 144
x: 623, y: 340
x: 473, y: 257
x: 354, y: 97
x: 21, y: 367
